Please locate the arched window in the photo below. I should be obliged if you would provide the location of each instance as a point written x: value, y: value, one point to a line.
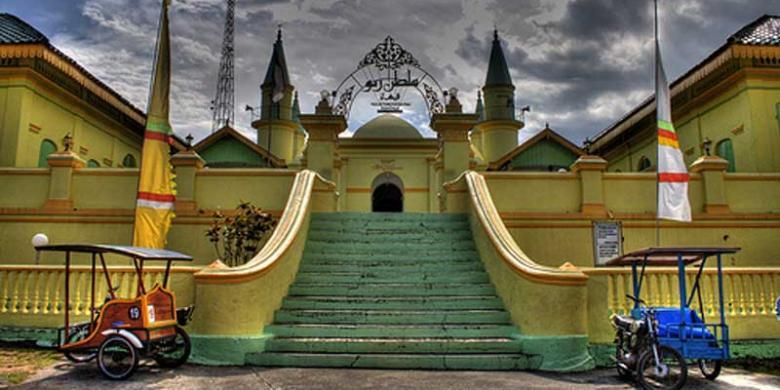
x: 129, y: 161
x: 47, y: 147
x: 93, y: 164
x: 725, y: 150
x: 644, y: 164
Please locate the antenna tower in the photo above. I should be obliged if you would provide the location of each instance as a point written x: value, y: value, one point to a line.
x: 224, y: 103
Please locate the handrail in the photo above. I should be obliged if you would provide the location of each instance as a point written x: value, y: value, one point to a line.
x: 284, y: 235
x: 674, y: 270
x: 503, y: 241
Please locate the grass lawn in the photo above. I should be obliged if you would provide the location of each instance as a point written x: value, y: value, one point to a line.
x: 18, y: 363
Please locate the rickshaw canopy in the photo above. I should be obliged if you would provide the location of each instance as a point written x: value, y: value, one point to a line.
x: 129, y: 251
x: 669, y: 256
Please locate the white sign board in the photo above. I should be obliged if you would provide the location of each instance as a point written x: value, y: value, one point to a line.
x: 607, y: 241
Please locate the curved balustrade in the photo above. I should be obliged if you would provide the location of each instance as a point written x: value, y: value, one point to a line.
x: 286, y: 231
x: 484, y: 208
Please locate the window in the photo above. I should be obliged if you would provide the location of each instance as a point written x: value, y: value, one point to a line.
x: 725, y: 150
x: 644, y: 164
x: 93, y: 164
x: 47, y: 147
x: 129, y: 161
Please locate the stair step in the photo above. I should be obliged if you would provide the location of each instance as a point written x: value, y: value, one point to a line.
x: 382, y: 236
x: 440, y: 257
x: 475, y: 345
x: 390, y: 289
x: 388, y: 303
x: 390, y: 330
x: 383, y: 217
x: 408, y: 277
x: 365, y: 316
x: 392, y: 226
x: 338, y: 266
x: 492, y: 362
x: 402, y: 249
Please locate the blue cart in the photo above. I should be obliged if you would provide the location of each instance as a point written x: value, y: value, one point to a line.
x: 683, y: 328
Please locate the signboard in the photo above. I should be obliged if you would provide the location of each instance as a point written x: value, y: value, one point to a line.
x: 607, y: 241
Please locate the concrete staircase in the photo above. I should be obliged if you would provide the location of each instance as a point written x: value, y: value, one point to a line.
x: 392, y: 290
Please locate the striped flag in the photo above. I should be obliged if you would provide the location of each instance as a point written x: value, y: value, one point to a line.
x: 672, y: 173
x: 156, y: 194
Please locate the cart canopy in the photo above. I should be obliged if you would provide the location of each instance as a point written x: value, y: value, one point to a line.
x: 668, y: 256
x: 129, y: 251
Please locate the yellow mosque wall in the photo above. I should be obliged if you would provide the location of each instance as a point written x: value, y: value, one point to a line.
x: 35, y: 108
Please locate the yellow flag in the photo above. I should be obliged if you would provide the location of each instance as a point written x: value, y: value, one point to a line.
x: 156, y: 194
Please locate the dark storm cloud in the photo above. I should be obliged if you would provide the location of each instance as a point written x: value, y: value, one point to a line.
x: 580, y: 64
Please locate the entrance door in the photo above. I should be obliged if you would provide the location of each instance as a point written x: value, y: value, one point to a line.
x: 387, y: 197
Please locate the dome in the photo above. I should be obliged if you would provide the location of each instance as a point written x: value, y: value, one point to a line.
x: 387, y: 126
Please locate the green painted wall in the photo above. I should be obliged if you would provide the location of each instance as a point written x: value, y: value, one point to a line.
x: 229, y: 152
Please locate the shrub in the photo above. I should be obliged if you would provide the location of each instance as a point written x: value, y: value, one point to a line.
x: 239, y: 237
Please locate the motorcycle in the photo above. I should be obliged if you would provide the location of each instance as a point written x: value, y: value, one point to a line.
x: 639, y: 353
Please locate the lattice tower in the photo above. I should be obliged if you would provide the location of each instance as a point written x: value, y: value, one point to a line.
x: 224, y: 103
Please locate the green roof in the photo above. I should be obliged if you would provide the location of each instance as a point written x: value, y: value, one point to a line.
x: 277, y: 64
x: 15, y: 30
x: 498, y: 71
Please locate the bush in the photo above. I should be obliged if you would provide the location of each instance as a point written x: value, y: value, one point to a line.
x: 238, y: 238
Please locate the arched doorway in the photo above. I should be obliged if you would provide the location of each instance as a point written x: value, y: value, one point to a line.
x: 387, y: 193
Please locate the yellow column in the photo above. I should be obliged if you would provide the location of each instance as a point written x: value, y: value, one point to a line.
x: 322, y: 149
x: 591, y: 169
x: 712, y: 170
x: 452, y: 129
x: 62, y: 165
x: 186, y: 164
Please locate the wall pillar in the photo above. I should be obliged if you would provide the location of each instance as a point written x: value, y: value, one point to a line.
x: 453, y: 129
x: 322, y: 149
x: 712, y: 170
x: 62, y: 165
x: 186, y: 164
x: 590, y: 170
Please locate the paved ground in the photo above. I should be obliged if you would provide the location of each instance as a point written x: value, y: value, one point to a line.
x: 64, y: 375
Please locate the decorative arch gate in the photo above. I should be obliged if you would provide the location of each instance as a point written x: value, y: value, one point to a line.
x: 388, y: 72
x: 387, y: 193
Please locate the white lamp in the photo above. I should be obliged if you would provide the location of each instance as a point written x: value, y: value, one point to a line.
x: 39, y: 239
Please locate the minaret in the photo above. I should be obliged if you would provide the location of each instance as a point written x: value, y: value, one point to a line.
x: 497, y: 130
x: 275, y: 129
x: 476, y: 136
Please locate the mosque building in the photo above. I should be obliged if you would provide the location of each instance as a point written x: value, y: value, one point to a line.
x: 489, y: 243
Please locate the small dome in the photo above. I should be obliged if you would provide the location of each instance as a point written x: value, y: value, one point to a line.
x: 387, y: 126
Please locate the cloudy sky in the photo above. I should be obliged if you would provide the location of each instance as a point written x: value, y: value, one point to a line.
x: 579, y: 64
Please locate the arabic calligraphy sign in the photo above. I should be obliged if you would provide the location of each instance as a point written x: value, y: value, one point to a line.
x: 387, y: 73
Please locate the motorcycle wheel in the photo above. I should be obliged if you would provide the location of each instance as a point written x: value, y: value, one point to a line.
x: 623, y: 373
x: 710, y: 368
x: 670, y: 375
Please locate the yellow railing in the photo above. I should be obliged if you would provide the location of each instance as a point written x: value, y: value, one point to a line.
x: 746, y: 291
x: 30, y: 290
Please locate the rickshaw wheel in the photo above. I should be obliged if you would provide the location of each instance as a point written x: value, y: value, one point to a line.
x: 117, y: 358
x: 673, y: 378
x: 178, y: 354
x: 79, y: 357
x: 710, y: 368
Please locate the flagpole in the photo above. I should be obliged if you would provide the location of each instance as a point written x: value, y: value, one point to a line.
x: 657, y: 148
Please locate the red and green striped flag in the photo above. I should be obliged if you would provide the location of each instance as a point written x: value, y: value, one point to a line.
x: 672, y: 173
x: 156, y: 194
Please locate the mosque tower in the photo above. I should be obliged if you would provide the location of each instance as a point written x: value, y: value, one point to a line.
x: 276, y: 128
x: 496, y: 133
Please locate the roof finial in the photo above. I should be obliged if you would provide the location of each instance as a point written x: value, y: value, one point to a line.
x: 495, y: 33
x: 279, y: 32
x: 546, y: 125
